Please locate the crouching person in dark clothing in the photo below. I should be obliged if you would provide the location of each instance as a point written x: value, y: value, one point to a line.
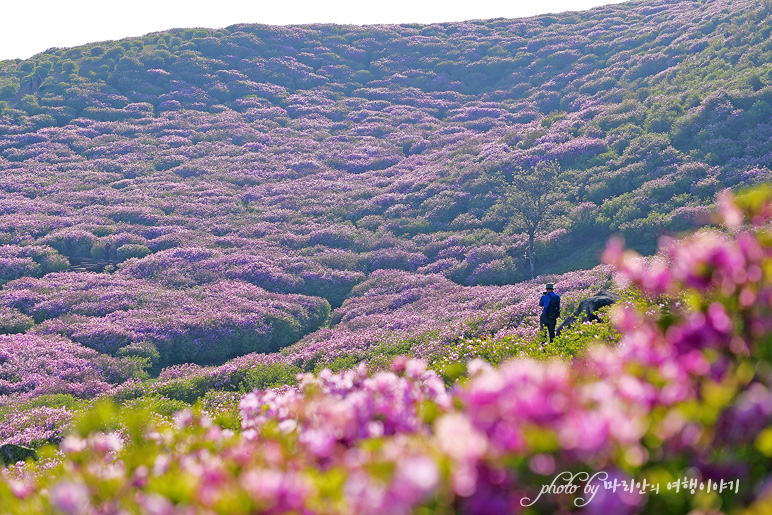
x: 550, y: 304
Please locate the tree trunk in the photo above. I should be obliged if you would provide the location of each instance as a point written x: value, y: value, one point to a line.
x: 530, y: 256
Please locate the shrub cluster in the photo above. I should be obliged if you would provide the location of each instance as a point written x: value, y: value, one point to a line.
x: 682, y: 399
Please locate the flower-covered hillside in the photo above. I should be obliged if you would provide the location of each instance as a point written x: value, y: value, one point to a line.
x: 679, y: 409
x: 300, y: 160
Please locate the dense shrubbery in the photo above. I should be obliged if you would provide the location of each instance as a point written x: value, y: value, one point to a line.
x: 31, y: 366
x: 680, y: 396
x: 109, y: 314
x: 392, y: 314
x: 13, y: 321
x: 684, y: 393
x: 303, y: 160
x: 638, y: 100
x: 29, y: 261
x: 300, y: 199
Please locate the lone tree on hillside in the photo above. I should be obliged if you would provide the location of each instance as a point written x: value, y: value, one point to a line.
x: 531, y: 203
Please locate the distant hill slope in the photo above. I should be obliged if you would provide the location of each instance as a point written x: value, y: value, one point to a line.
x: 301, y: 159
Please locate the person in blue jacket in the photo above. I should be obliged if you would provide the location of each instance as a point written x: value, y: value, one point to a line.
x: 550, y: 304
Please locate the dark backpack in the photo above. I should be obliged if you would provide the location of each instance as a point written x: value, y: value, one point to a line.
x: 553, y: 308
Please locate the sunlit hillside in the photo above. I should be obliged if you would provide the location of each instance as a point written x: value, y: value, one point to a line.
x: 288, y: 269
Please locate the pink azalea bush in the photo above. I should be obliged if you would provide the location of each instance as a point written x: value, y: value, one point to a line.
x: 32, y: 365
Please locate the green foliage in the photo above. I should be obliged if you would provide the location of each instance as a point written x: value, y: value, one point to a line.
x: 377, y: 357
x: 262, y: 376
x: 131, y: 250
x: 156, y: 404
x: 451, y: 372
x: 187, y: 390
x: 573, y: 341
x: 223, y: 407
x: 553, y: 117
x: 339, y: 363
x: 13, y: 321
x: 9, y: 86
x: 196, y: 387
x: 11, y: 454
x: 54, y: 262
x: 145, y: 352
x: 492, y: 351
x: 380, y: 357
x: 106, y: 416
x: 69, y: 67
x: 121, y: 369
x: 77, y: 243
x: 58, y: 400
x: 30, y: 104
